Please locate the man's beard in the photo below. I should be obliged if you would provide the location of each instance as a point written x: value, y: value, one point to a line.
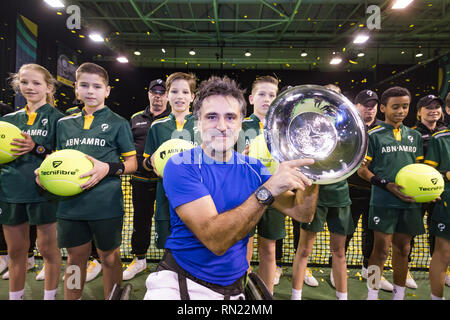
x: 225, y: 146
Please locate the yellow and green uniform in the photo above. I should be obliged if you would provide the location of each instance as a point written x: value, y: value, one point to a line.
x: 333, y: 206
x: 160, y: 131
x: 251, y: 128
x: 21, y: 199
x: 140, y: 123
x: 390, y: 150
x: 438, y: 155
x: 17, y: 179
x: 271, y: 226
x: 105, y: 136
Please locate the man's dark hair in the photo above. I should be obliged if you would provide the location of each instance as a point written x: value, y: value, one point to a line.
x: 222, y: 87
x: 394, y: 92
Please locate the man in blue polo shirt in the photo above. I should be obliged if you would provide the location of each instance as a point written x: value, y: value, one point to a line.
x: 216, y: 197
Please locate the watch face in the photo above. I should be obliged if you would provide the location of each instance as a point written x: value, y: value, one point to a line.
x: 263, y: 194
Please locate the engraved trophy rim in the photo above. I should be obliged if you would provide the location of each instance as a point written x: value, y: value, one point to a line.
x: 350, y: 146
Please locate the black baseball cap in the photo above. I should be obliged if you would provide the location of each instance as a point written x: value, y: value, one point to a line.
x: 366, y: 95
x: 157, y: 85
x: 425, y: 101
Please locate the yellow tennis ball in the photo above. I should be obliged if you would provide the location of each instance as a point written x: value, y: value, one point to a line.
x: 258, y: 149
x: 420, y: 181
x: 167, y: 150
x: 8, y: 132
x: 60, y: 172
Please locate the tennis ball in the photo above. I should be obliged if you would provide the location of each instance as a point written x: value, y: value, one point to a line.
x: 167, y: 150
x: 258, y: 149
x: 420, y: 181
x: 60, y: 172
x: 8, y: 132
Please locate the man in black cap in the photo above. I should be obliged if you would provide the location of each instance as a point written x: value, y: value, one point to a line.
x: 366, y: 101
x: 143, y: 182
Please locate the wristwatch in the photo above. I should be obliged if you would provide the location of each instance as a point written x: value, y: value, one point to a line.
x: 264, y: 196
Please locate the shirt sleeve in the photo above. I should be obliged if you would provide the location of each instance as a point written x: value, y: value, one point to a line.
x: 433, y: 155
x: 182, y: 182
x: 149, y: 143
x: 55, y: 133
x: 370, y: 149
x: 419, y: 153
x: 125, y: 140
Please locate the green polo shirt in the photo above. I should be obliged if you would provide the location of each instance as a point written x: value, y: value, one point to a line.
x: 251, y: 128
x: 17, y: 179
x: 390, y: 150
x: 159, y: 132
x: 438, y: 155
x: 167, y: 128
x: 105, y: 136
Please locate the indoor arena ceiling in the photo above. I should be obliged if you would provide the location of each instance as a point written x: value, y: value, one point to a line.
x: 275, y: 32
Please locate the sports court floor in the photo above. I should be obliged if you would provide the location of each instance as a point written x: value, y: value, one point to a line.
x: 357, y: 289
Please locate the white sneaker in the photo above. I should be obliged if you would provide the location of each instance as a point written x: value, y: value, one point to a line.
x: 410, y: 282
x: 309, y: 278
x: 332, y: 279
x: 93, y: 269
x: 278, y: 273
x: 41, y: 275
x: 384, y: 283
x: 30, y: 265
x: 4, y: 263
x: 447, y: 277
x: 136, y: 266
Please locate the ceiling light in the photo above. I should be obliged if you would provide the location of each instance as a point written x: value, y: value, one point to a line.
x: 401, y: 4
x: 55, y: 3
x: 419, y: 54
x: 304, y: 53
x: 96, y: 37
x: 122, y: 59
x: 137, y: 53
x: 335, y: 60
x: 361, y: 54
x: 247, y: 53
x: 361, y: 38
x: 192, y: 52
x: 163, y: 50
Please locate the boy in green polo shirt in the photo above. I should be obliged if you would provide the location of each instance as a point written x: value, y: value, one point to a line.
x: 178, y: 125
x: 271, y: 226
x: 97, y: 213
x: 438, y: 156
x: 394, y: 216
x: 333, y: 206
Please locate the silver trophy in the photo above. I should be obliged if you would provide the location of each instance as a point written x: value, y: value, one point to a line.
x: 310, y: 121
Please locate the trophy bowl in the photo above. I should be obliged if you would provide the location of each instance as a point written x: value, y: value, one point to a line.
x: 310, y: 121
